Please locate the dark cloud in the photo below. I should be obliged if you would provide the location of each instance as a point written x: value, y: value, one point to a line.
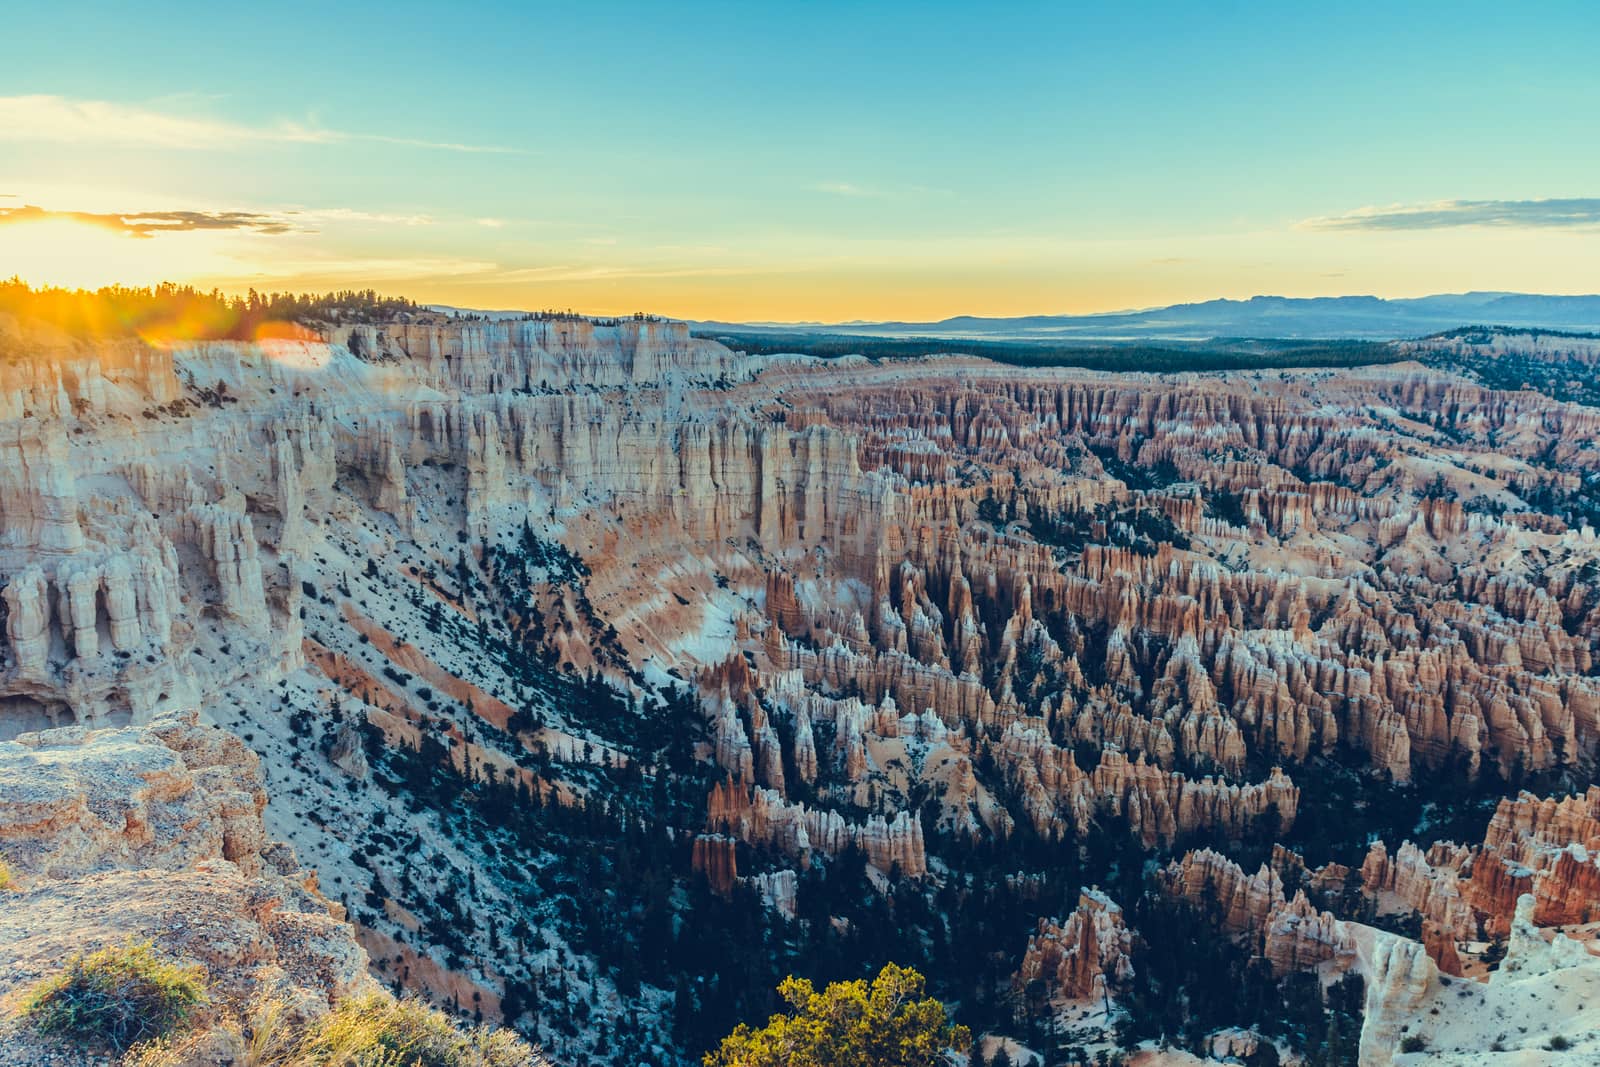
x: 1522, y: 214
x: 150, y: 223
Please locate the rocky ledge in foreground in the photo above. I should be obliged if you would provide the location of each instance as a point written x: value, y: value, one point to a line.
x: 155, y: 833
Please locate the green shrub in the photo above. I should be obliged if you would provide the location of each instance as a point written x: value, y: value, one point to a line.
x: 1559, y: 1043
x: 1414, y: 1043
x: 117, y: 996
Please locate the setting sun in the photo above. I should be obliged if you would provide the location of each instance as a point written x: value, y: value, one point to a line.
x: 75, y: 254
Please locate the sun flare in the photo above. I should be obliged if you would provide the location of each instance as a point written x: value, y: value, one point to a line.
x: 73, y: 254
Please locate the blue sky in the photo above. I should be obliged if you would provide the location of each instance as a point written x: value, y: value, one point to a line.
x: 805, y: 162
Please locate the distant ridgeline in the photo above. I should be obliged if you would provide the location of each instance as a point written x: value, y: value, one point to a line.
x: 1557, y: 363
x: 1212, y: 355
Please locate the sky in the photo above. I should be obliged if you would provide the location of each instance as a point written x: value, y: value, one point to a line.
x: 816, y: 162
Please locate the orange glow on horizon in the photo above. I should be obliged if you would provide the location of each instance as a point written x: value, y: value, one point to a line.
x: 78, y: 255
x: 161, y: 316
x: 915, y: 283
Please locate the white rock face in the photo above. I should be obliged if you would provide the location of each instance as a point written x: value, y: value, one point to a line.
x: 28, y: 622
x: 227, y: 543
x: 1530, y: 955
x: 129, y: 511
x: 94, y: 641
x: 1543, y: 989
x: 148, y: 490
x: 38, y: 488
x: 1400, y: 978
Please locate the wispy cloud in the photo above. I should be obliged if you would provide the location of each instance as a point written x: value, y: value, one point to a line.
x: 579, y: 273
x: 345, y: 214
x: 1447, y: 214
x: 151, y: 223
x: 844, y: 189
x: 319, y: 269
x: 61, y: 120
x: 416, y: 142
x: 873, y: 192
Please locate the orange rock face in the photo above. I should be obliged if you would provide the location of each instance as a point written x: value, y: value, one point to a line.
x: 1292, y: 934
x: 1085, y: 957
x: 715, y: 857
x: 1543, y: 847
x: 1441, y: 949
x: 1547, y: 846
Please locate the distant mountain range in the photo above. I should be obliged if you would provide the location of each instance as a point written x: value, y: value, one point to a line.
x: 1364, y: 317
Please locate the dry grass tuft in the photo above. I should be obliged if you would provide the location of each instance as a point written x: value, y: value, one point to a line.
x: 374, y: 1031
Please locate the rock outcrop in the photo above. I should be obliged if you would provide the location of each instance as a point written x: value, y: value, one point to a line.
x: 1536, y: 1008
x: 762, y: 817
x: 1086, y: 957
x: 1292, y: 934
x: 155, y: 833
x: 1543, y: 847
x: 75, y: 801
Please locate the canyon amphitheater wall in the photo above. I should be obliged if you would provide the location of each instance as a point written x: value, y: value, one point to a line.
x: 900, y: 608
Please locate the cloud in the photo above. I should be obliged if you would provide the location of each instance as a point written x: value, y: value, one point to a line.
x: 414, y: 142
x: 575, y: 273
x: 1446, y: 214
x: 851, y: 189
x: 844, y: 189
x: 150, y: 223
x: 60, y: 120
x: 345, y: 214
x: 316, y: 270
